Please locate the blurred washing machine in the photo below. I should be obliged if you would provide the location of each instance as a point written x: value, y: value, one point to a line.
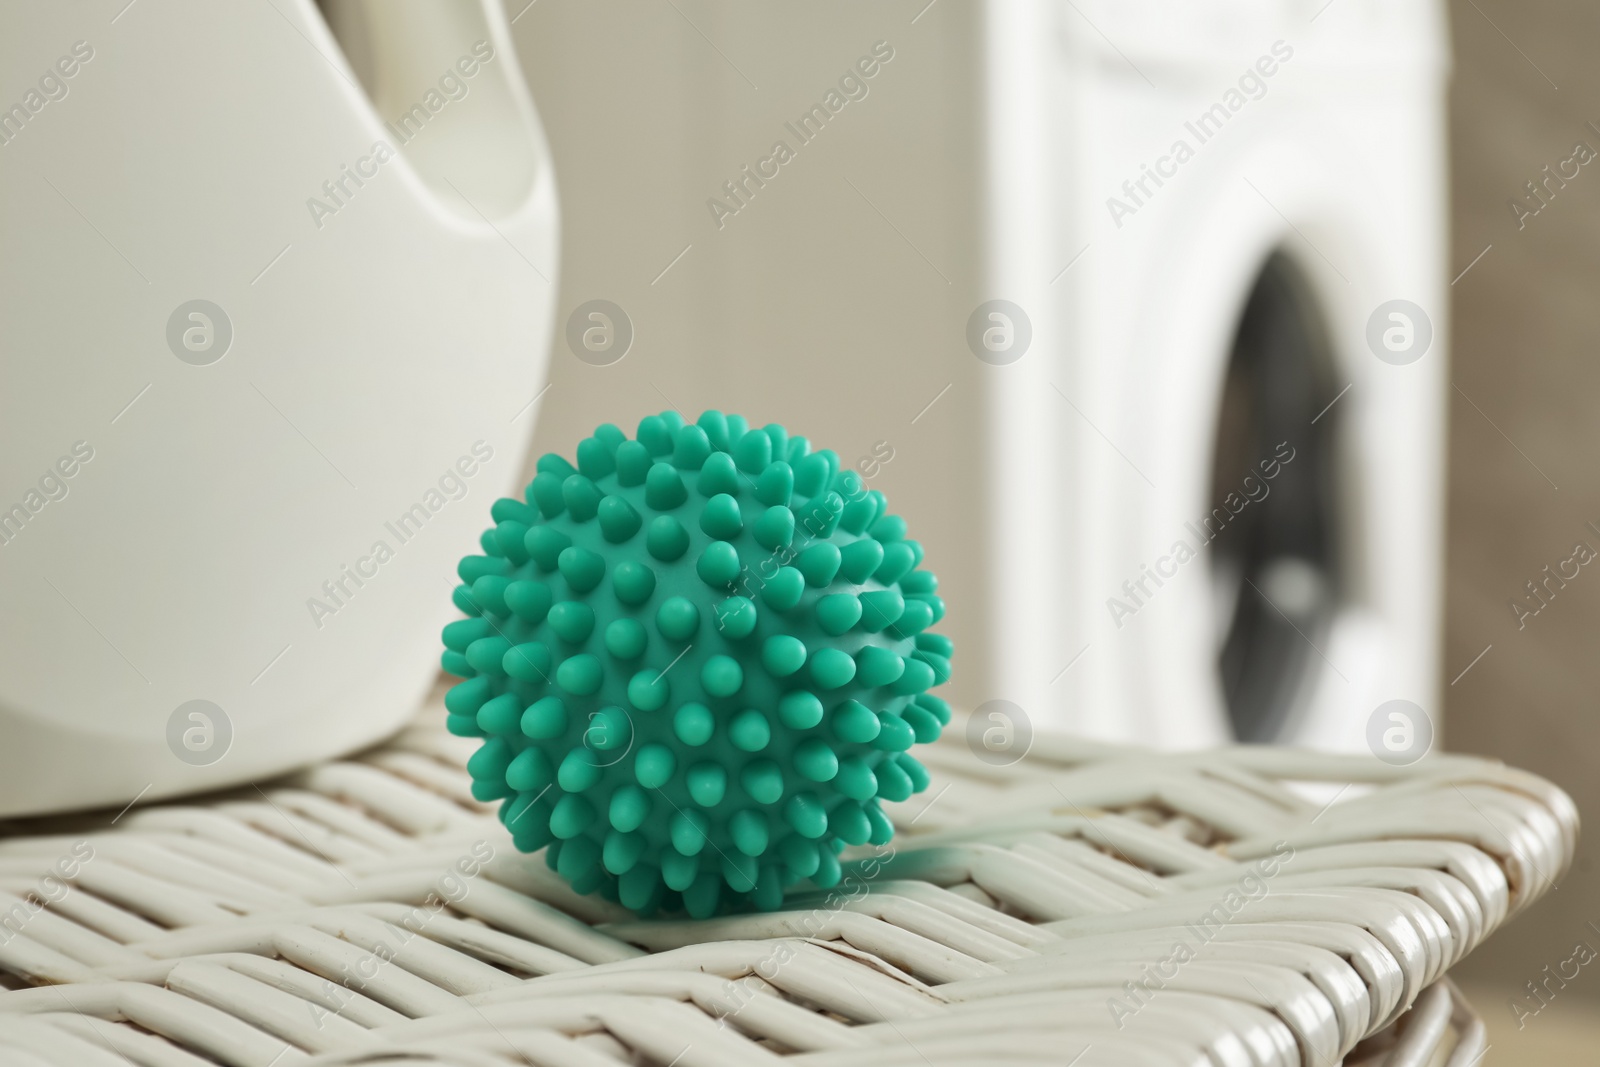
x: 1219, y: 469
x: 1200, y: 208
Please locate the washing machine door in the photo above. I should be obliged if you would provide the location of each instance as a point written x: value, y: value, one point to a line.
x: 276, y: 304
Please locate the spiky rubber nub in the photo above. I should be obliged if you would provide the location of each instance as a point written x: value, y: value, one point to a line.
x: 698, y: 660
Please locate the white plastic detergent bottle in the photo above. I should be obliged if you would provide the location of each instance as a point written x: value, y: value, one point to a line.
x: 275, y: 294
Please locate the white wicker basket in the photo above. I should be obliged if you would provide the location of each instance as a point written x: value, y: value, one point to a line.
x: 354, y: 914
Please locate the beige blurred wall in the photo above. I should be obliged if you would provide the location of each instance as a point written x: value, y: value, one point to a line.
x: 834, y: 303
x: 1524, y: 481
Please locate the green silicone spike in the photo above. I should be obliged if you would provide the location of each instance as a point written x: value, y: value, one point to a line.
x: 775, y: 487
x: 500, y: 715
x: 855, y: 779
x: 630, y: 806
x: 849, y: 823
x: 718, y: 476
x: 708, y: 783
x: 488, y: 592
x: 715, y: 425
x: 545, y: 545
x: 720, y: 517
x: 784, y: 590
x: 882, y: 829
x: 736, y: 617
x: 468, y: 697
x: 854, y: 722
x: 486, y: 653
x: 916, y: 617
x: 940, y: 665
x: 581, y: 496
x: 718, y: 564
x: 666, y: 539
x: 626, y: 638
x: 693, y: 724
x: 655, y: 435
x: 819, y: 564
x: 876, y: 665
x: 580, y: 675
x: 702, y: 899
x: 800, y: 709
x: 507, y: 509
x: 806, y: 815
x: 455, y: 663
x: 768, y: 893
x: 609, y: 729
x: 937, y: 707
x: 799, y: 855
x: 750, y: 731
x: 578, y: 772
x: 508, y: 536
x: 832, y: 668
x: 572, y: 816
x: 471, y: 568
x: 917, y: 772
x: 898, y: 559
x: 572, y: 621
x: 763, y: 780
x: 690, y: 449
x: 816, y: 760
x: 753, y: 453
x: 721, y: 676
x: 530, y: 661
x: 664, y: 488
x: 748, y: 828
x: 622, y: 851
x: 696, y: 663
x: 618, y: 520
x: 529, y: 601
x: 639, y: 888
x: 648, y: 690
x: 688, y: 830
x: 491, y: 761
x: 677, y: 870
x: 740, y: 871
x: 894, y: 735
x: 678, y: 618
x: 828, y: 870
x: 654, y: 766
x: 859, y: 559
x: 461, y: 597
x: 838, y: 612
x: 595, y: 460
x: 633, y: 464
x: 893, y: 782
x: 775, y: 528
x: 880, y: 608
x: 783, y: 654
x: 581, y: 568
x: 545, y: 492
x: 810, y: 474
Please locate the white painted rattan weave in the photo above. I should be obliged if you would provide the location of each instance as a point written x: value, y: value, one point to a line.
x: 253, y: 928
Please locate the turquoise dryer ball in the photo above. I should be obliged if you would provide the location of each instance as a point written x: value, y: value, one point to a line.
x: 698, y: 660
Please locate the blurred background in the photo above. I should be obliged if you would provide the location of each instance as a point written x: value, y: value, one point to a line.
x: 1433, y: 492
x: 1229, y: 359
x: 1524, y: 326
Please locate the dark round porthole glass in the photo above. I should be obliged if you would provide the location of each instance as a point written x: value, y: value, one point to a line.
x: 1274, y: 553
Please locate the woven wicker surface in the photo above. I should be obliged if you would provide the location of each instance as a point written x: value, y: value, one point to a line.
x: 1243, y: 906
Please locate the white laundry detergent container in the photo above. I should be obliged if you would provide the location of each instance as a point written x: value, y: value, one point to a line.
x: 276, y: 302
